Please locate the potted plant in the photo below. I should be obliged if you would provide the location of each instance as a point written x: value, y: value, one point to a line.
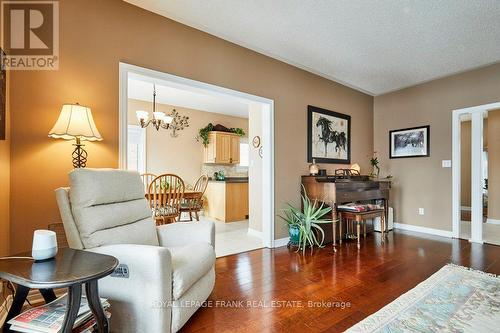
x: 375, y: 168
x: 303, y: 225
x: 204, y: 132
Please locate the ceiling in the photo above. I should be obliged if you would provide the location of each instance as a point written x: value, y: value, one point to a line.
x: 373, y: 46
x: 141, y: 88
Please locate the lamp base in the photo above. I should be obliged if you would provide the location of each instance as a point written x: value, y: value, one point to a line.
x: 79, y: 155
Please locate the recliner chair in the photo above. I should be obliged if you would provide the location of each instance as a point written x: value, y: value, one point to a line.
x: 170, y: 267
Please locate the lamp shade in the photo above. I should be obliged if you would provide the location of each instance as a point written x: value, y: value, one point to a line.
x: 75, y: 121
x: 356, y: 167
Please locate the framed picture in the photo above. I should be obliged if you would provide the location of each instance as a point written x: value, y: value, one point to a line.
x: 3, y: 96
x: 409, y: 142
x: 328, y: 136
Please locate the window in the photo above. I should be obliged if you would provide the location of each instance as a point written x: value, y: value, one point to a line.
x: 244, y: 154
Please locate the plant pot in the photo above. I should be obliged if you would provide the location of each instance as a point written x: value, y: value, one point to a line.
x: 294, y: 232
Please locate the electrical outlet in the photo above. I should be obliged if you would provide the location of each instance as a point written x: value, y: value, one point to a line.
x: 446, y: 163
x: 421, y: 211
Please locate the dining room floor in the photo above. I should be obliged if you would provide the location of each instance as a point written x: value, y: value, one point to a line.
x: 233, y: 237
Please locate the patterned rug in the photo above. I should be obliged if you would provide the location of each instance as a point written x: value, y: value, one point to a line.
x: 454, y: 299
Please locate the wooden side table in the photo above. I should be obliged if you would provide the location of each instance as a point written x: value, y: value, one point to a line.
x: 360, y: 218
x: 69, y: 269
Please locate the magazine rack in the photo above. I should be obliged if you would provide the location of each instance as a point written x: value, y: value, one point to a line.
x: 69, y: 269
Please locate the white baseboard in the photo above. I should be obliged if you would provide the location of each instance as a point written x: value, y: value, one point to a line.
x: 281, y: 242
x: 255, y: 233
x: 466, y: 208
x: 431, y: 231
x: 493, y: 221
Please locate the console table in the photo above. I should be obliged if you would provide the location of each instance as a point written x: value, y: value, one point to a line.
x: 69, y: 269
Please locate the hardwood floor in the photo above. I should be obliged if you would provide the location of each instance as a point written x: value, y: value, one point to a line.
x: 367, y: 279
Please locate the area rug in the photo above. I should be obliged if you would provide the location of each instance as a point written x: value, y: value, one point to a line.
x: 454, y: 299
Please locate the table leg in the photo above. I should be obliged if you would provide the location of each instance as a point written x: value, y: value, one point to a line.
x: 92, y: 292
x: 358, y: 232
x: 17, y: 305
x: 73, y: 305
x: 48, y: 295
x: 340, y: 229
x: 334, y: 225
x: 382, y: 227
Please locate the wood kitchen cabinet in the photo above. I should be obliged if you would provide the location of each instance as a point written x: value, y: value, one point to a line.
x: 227, y: 201
x: 223, y: 148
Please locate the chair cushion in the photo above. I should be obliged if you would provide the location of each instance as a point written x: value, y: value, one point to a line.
x: 189, y: 264
x: 164, y: 211
x: 109, y: 207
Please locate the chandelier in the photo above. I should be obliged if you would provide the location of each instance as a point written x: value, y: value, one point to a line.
x: 159, y: 120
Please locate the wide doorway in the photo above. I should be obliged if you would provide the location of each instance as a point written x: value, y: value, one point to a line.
x: 216, y: 142
x: 476, y: 176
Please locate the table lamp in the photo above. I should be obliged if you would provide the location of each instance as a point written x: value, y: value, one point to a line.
x: 75, y: 122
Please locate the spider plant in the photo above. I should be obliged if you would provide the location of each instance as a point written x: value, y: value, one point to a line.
x: 307, y: 221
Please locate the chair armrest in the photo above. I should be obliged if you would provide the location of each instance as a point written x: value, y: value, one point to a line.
x: 182, y: 233
x: 141, y: 299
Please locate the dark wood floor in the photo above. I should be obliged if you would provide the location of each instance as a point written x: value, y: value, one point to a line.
x: 368, y: 279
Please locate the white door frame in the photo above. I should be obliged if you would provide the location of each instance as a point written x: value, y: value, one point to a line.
x: 477, y: 114
x: 267, y: 135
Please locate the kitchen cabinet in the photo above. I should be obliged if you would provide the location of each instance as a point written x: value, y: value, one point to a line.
x: 227, y: 201
x: 223, y: 148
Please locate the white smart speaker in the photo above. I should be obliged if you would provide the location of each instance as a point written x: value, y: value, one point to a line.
x: 44, y: 245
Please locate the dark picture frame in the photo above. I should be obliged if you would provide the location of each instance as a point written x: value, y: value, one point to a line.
x: 410, y: 142
x: 3, y: 96
x: 328, y: 136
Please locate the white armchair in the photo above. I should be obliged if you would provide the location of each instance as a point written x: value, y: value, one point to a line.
x: 170, y: 268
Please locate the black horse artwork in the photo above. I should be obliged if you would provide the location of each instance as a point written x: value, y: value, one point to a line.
x: 330, y: 136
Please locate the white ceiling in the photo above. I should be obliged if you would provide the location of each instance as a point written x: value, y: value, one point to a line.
x: 374, y: 46
x: 141, y: 88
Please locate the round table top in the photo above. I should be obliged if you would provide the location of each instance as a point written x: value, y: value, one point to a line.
x: 69, y: 267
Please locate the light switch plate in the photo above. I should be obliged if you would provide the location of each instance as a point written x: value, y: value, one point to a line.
x: 446, y: 163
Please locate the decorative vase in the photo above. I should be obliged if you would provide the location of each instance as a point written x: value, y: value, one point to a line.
x: 313, y: 168
x: 294, y: 232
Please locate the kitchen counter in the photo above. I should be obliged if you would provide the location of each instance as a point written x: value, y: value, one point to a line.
x: 227, y: 200
x: 230, y: 180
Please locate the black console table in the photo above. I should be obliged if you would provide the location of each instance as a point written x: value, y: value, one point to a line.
x: 69, y: 269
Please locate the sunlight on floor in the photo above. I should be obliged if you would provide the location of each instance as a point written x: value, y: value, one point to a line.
x: 231, y: 238
x: 491, y: 232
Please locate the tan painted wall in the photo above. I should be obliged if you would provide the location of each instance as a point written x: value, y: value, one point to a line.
x: 182, y: 155
x: 5, y: 181
x: 421, y: 182
x: 95, y: 36
x: 465, y: 163
x: 493, y: 145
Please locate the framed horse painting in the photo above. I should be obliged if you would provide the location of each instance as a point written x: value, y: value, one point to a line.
x: 328, y: 136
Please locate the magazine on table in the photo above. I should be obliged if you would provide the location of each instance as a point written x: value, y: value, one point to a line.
x: 358, y: 208
x: 49, y: 318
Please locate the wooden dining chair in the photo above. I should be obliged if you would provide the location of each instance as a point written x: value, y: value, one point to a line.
x: 147, y: 178
x: 165, y: 196
x: 196, y: 204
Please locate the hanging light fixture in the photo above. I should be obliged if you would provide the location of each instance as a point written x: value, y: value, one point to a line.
x: 159, y: 119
